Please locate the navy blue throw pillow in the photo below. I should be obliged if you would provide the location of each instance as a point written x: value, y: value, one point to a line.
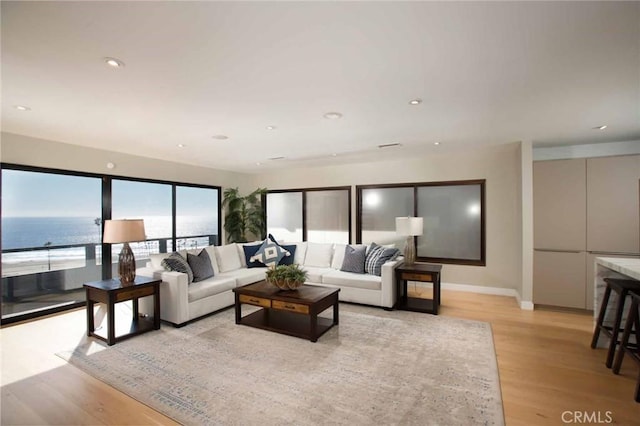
x: 249, y: 252
x: 288, y: 260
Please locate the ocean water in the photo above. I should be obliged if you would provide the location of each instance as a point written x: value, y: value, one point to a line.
x: 35, y: 232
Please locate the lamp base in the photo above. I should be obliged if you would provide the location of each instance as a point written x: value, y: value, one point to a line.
x: 410, y: 251
x: 126, y: 265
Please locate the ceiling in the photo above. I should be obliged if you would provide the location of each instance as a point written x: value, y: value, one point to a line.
x: 487, y: 74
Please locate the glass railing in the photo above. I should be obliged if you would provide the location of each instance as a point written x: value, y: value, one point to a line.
x: 41, y: 278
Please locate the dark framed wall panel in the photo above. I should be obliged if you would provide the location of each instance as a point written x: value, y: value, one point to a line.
x: 454, y: 215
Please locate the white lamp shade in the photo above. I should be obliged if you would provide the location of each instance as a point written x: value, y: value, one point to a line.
x: 409, y: 226
x: 123, y: 231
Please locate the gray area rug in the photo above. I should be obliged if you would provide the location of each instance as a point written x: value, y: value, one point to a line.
x: 376, y: 367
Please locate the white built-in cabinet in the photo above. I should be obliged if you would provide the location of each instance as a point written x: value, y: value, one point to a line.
x: 583, y: 208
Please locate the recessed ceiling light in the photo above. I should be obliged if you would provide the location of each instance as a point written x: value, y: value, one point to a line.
x: 181, y: 145
x: 333, y: 115
x: 389, y: 145
x: 113, y: 62
x: 220, y: 137
x: 604, y: 126
x: 415, y: 101
x: 271, y: 127
x: 22, y: 108
x: 436, y: 143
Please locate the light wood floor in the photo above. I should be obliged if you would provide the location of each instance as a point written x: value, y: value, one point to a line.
x: 546, y: 369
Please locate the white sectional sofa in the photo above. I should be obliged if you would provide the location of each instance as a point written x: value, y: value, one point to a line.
x: 181, y: 302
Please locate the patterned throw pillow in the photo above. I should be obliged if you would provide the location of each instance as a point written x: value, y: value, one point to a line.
x: 175, y: 262
x: 269, y: 253
x: 287, y: 260
x: 378, y: 256
x: 249, y: 252
x: 354, y: 258
x: 200, y: 265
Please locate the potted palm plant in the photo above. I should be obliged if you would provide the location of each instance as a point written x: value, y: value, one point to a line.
x: 244, y: 215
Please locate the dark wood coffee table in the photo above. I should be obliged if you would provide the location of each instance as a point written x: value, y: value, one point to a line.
x: 291, y: 312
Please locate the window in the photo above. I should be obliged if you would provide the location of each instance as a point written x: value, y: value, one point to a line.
x: 380, y: 207
x: 284, y: 215
x: 151, y: 202
x: 328, y: 215
x: 321, y: 215
x: 196, y: 217
x: 50, y: 231
x: 453, y: 213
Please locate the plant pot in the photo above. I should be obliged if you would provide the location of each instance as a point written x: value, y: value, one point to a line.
x: 286, y: 285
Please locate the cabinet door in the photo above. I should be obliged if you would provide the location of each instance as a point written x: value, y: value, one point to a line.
x: 559, y: 204
x: 613, y: 204
x: 559, y: 279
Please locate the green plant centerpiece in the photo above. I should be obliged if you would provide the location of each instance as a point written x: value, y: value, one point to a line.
x: 244, y: 215
x: 287, y: 277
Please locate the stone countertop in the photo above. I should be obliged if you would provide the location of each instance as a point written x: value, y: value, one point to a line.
x: 628, y: 267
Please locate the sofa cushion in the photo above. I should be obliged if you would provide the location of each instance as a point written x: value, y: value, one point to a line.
x: 156, y: 260
x: 377, y: 256
x: 227, y: 257
x: 242, y: 251
x: 248, y: 252
x: 211, y: 251
x: 175, y: 262
x: 200, y: 265
x: 210, y: 287
x: 354, y: 258
x: 246, y: 276
x: 318, y: 255
x: 314, y: 274
x: 301, y: 251
x: 269, y: 253
x: 338, y: 256
x: 350, y: 279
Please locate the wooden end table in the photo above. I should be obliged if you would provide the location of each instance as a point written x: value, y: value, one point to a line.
x: 291, y: 312
x: 421, y: 272
x: 113, y: 291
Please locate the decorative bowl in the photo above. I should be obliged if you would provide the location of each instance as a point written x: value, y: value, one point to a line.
x: 285, y: 285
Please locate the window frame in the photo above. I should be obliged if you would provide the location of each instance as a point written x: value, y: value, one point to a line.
x: 304, y: 203
x: 482, y: 261
x: 106, y: 200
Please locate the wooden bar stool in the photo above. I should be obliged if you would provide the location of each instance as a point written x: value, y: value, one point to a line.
x: 632, y: 325
x: 622, y: 287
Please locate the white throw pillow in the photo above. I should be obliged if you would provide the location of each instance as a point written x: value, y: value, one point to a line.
x: 301, y: 251
x: 318, y: 255
x: 227, y: 257
x: 338, y: 256
x: 211, y: 251
x: 156, y: 259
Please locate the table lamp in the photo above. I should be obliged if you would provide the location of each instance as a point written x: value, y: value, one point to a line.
x: 410, y: 227
x: 124, y: 231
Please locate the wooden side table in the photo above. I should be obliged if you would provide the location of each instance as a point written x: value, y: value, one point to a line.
x: 421, y: 272
x: 113, y: 291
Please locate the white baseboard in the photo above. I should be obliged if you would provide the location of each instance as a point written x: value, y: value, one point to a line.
x: 497, y: 291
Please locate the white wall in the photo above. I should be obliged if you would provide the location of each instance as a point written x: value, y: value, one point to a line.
x: 24, y: 150
x: 586, y: 151
x: 499, y: 165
